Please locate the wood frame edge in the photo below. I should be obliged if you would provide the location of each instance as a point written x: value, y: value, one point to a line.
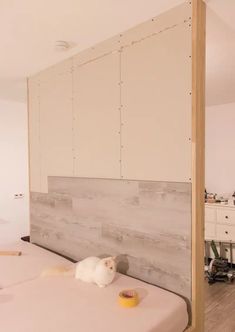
x: 198, y: 162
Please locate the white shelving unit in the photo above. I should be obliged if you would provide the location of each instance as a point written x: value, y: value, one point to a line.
x: 220, y: 226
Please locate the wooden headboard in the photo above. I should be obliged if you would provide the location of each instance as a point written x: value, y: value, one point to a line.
x: 146, y: 223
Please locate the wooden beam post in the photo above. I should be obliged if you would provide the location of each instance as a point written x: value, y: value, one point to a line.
x: 198, y: 162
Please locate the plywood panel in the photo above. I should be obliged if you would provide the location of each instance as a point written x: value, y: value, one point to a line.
x: 166, y: 20
x: 97, y: 51
x: 159, y: 24
x: 97, y: 118
x: 156, y: 112
x: 56, y: 122
x: 34, y: 134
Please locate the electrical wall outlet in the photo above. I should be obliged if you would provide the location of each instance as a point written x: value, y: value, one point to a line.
x: 19, y: 195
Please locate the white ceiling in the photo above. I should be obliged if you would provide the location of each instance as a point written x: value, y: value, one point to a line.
x: 29, y: 29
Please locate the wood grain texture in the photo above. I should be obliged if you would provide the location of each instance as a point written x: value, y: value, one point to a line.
x: 147, y: 223
x: 198, y: 162
x: 10, y: 253
x: 219, y: 307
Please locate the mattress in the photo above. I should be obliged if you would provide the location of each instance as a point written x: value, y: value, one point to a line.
x: 64, y: 304
x: 18, y: 269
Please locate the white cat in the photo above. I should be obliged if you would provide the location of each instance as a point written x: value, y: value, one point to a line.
x: 96, y: 270
x: 100, y: 271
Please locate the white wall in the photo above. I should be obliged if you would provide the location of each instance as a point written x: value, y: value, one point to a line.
x: 220, y: 148
x: 14, y: 213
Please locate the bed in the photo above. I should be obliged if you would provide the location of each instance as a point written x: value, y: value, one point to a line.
x: 33, y: 260
x: 31, y: 303
x: 64, y: 304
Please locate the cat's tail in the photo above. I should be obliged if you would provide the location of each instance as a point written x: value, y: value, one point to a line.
x: 58, y: 271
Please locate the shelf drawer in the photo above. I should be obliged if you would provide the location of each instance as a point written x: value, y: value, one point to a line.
x: 210, y: 214
x: 210, y: 230
x: 225, y: 216
x: 225, y: 232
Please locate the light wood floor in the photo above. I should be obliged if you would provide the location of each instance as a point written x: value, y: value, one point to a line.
x: 220, y: 307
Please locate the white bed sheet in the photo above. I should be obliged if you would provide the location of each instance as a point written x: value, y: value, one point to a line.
x: 18, y: 269
x: 64, y: 304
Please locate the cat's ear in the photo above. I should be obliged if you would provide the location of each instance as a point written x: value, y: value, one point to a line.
x: 114, y: 258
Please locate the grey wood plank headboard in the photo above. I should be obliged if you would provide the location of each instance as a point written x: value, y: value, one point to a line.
x: 147, y: 223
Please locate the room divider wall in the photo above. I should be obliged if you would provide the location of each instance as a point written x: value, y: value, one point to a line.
x: 117, y: 150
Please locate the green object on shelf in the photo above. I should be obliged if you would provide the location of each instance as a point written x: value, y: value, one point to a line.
x: 214, y: 249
